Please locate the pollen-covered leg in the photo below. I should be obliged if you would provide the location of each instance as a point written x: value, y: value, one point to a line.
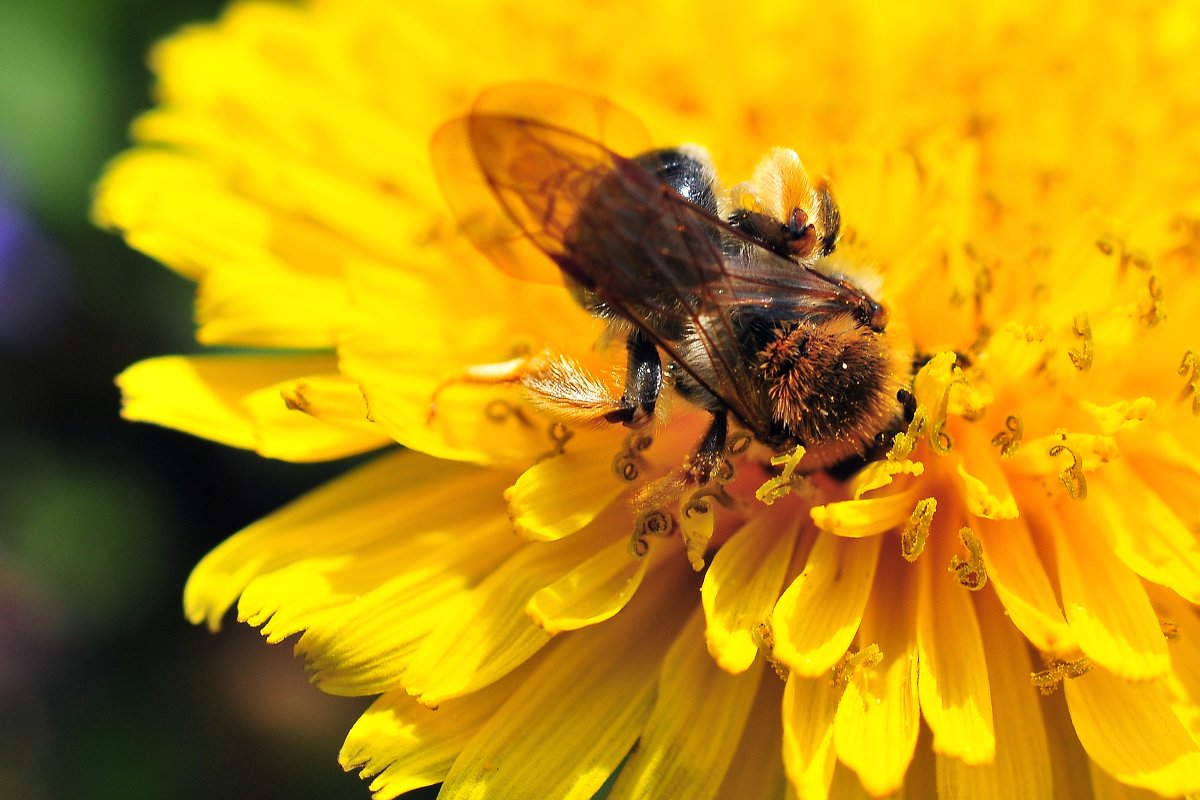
x: 556, y: 386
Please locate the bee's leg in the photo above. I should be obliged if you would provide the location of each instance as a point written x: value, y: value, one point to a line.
x: 828, y: 219
x: 643, y: 381
x: 712, y: 447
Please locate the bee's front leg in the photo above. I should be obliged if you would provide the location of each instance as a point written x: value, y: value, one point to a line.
x: 643, y: 381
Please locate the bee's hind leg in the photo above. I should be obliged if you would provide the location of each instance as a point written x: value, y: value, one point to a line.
x: 643, y: 382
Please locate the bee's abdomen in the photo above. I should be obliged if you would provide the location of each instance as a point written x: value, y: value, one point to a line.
x: 829, y: 383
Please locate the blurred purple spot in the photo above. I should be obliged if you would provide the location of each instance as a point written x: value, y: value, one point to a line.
x: 36, y: 289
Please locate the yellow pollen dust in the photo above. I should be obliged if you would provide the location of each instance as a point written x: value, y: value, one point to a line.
x: 1057, y: 670
x: 855, y: 663
x: 764, y: 639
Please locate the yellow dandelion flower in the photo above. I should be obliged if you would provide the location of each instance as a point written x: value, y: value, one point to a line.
x: 997, y: 601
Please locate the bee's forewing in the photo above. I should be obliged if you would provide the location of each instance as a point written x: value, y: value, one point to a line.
x: 510, y: 149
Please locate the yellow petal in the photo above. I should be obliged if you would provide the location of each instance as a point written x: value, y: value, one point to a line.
x: 402, y: 745
x: 315, y: 418
x: 591, y: 592
x: 483, y: 425
x: 359, y: 640
x: 984, y: 487
x: 955, y: 696
x: 922, y: 778
x: 1145, y: 533
x: 756, y: 770
x: 684, y: 749
x: 817, y: 616
x: 743, y: 583
x: 878, y: 717
x: 1106, y: 787
x: 809, y: 705
x: 1070, y: 764
x: 880, y: 473
x: 580, y: 711
x: 340, y: 525
x: 560, y: 495
x: 270, y: 308
x: 202, y: 395
x: 868, y: 517
x: 1130, y: 731
x: 1105, y: 605
x: 1121, y: 415
x: 139, y: 195
x: 1022, y: 764
x: 1015, y: 571
x: 485, y: 633
x: 1183, y: 683
x: 846, y: 785
x: 456, y: 317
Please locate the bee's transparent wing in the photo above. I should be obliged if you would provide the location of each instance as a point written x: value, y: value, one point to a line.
x: 471, y: 190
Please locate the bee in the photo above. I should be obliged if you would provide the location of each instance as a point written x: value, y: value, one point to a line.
x: 736, y: 304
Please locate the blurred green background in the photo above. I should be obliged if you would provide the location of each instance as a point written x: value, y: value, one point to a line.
x: 105, y: 691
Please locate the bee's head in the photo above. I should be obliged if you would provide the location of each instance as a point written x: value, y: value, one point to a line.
x: 871, y: 314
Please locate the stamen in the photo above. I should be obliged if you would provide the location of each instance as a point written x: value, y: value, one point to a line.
x: 905, y: 442
x: 1057, y: 670
x: 855, y: 662
x: 499, y: 410
x: 1009, y: 439
x: 1188, y: 251
x: 559, y: 435
x: 294, y: 398
x: 1152, y: 310
x: 1082, y: 358
x: 1189, y: 370
x: 781, y: 485
x: 655, y: 522
x: 916, y: 530
x: 940, y: 441
x: 698, y: 523
x: 1072, y: 477
x: 971, y: 573
x: 1125, y: 257
x: 625, y: 463
x: 502, y: 373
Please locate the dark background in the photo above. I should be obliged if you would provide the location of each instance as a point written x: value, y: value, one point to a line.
x: 105, y: 690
